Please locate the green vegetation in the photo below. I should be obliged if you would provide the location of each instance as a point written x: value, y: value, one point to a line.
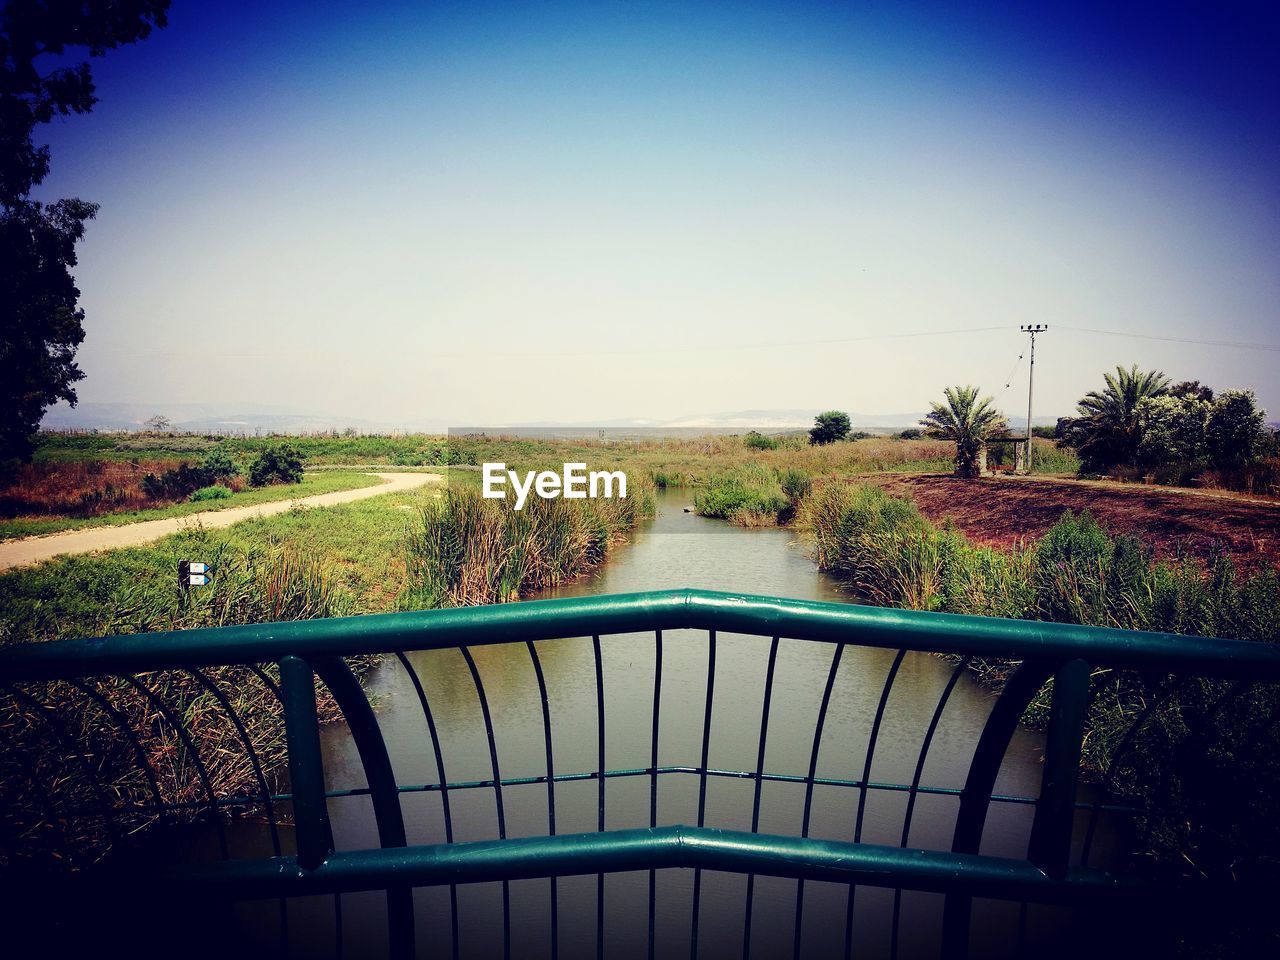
x: 753, y: 495
x: 758, y: 441
x: 466, y: 550
x: 312, y: 484
x: 132, y: 591
x: 1076, y: 573
x: 214, y: 492
x: 829, y: 427
x: 277, y: 464
x: 670, y: 461
x: 409, y: 550
x: 182, y: 480
x: 41, y: 322
x: 968, y: 423
x: 1197, y: 762
x: 1139, y: 426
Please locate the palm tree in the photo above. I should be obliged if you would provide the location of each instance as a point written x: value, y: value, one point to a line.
x: 1107, y: 431
x: 968, y: 421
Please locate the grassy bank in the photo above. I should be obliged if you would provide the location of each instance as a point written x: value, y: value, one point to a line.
x: 464, y: 550
x: 1206, y: 750
x: 753, y: 495
x: 423, y: 548
x: 681, y: 461
x: 328, y: 481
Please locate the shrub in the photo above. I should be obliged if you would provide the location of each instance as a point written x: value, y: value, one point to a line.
x: 218, y: 466
x: 1236, y: 433
x: 758, y: 441
x: 745, y: 495
x: 829, y: 427
x: 277, y: 464
x: 213, y: 492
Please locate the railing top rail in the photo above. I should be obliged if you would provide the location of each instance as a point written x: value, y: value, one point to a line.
x: 635, y: 612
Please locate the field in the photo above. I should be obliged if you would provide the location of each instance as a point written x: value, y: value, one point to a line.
x: 1005, y: 511
x: 328, y: 481
x: 675, y: 461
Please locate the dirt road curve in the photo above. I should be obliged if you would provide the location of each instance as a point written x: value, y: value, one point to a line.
x: 16, y: 553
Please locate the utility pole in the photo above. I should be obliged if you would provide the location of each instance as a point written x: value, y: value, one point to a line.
x: 1033, y: 329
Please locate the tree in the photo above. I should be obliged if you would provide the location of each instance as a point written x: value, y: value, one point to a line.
x: 829, y: 427
x: 1172, y: 428
x: 41, y: 324
x: 278, y: 464
x: 968, y: 421
x: 1236, y: 432
x: 157, y: 424
x: 1108, y: 430
x: 1192, y: 390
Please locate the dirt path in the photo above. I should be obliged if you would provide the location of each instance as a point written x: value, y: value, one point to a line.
x: 16, y: 553
x: 1001, y: 511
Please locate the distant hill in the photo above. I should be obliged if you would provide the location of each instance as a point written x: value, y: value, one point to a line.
x: 217, y: 418
x: 223, y: 418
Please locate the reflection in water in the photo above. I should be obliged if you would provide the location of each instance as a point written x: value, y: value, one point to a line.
x: 680, y: 549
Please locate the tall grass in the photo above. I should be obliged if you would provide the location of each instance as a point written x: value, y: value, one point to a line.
x: 751, y: 495
x: 38, y: 724
x: 1207, y: 747
x: 467, y: 550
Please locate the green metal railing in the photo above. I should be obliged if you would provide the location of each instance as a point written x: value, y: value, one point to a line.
x: 305, y: 652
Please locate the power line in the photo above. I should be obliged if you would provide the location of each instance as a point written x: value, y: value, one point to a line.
x: 627, y: 352
x: 1240, y: 344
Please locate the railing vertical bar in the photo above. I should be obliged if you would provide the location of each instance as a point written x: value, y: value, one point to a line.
x: 975, y: 797
x: 759, y: 784
x: 202, y: 770
x: 551, y: 789
x: 306, y: 769
x: 914, y: 790
x: 600, y: 733
x: 872, y: 739
x: 258, y: 774
x: 270, y: 684
x: 1050, y: 846
x: 497, y: 792
x: 254, y: 761
x: 434, y: 734
x: 362, y: 722
x: 653, y: 780
x: 808, y: 789
x: 702, y: 785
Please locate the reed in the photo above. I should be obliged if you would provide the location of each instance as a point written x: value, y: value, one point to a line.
x: 234, y: 721
x: 1185, y: 765
x: 465, y: 550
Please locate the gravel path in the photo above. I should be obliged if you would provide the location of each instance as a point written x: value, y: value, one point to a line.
x: 17, y: 553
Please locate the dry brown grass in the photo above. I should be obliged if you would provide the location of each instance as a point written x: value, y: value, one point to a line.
x: 79, y: 488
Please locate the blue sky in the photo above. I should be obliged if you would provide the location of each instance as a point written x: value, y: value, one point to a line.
x: 499, y: 213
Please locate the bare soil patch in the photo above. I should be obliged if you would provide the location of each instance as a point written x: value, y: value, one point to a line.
x: 1004, y: 511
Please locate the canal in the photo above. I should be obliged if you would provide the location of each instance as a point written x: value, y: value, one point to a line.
x: 680, y: 549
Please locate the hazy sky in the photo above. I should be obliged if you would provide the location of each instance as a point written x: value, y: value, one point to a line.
x: 494, y: 213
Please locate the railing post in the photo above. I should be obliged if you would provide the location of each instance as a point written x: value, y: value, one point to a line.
x: 1050, y: 846
x: 306, y: 769
x: 975, y: 798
